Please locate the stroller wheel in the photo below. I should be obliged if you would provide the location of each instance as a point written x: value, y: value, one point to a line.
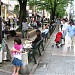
x: 61, y: 45
x: 52, y: 45
x: 57, y: 46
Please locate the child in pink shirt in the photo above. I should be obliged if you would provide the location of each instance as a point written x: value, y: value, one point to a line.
x: 16, y: 51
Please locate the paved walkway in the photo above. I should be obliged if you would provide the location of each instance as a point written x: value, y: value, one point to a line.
x: 7, y: 67
x: 56, y: 61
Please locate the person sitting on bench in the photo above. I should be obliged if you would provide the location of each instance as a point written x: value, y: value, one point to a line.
x: 46, y: 30
x: 38, y: 37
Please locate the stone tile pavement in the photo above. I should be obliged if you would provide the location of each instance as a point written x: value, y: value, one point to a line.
x: 7, y: 67
x: 55, y: 61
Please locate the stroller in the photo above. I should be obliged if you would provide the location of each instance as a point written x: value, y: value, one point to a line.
x: 58, y: 40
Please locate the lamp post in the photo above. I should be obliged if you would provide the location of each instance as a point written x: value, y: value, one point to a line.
x: 0, y: 26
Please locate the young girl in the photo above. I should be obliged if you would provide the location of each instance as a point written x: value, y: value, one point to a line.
x: 16, y: 51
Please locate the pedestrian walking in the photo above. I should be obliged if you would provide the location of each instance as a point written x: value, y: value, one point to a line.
x: 61, y: 26
x: 58, y: 23
x: 25, y: 29
x: 71, y: 34
x: 16, y: 51
x: 65, y: 25
x: 15, y: 21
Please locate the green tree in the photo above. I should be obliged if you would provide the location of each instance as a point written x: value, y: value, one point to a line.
x: 16, y: 9
x: 50, y: 5
x: 57, y: 7
x: 60, y: 11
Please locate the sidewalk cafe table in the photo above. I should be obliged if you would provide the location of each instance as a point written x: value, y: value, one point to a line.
x: 27, y: 45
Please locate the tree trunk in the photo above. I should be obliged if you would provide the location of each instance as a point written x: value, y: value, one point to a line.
x: 20, y: 17
x: 54, y: 10
x: 52, y: 15
x: 22, y: 14
x: 24, y: 10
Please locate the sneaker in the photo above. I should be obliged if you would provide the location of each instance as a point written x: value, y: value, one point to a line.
x: 13, y: 74
x: 16, y: 74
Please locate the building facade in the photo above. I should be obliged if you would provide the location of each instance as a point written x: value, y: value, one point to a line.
x: 4, y: 9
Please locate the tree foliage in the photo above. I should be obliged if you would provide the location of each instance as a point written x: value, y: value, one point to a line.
x: 55, y: 7
x: 16, y: 9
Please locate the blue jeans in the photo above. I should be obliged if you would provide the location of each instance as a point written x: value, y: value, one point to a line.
x: 24, y: 33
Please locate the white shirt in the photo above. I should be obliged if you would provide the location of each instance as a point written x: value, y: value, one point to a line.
x: 46, y: 31
x: 24, y: 26
x: 17, y: 55
x: 65, y: 25
x: 3, y: 26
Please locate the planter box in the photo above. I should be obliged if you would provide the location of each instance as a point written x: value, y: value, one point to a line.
x: 30, y: 33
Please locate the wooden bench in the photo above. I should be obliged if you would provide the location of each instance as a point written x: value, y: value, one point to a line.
x: 30, y: 33
x: 32, y: 52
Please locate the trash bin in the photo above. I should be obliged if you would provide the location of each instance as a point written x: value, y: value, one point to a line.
x: 24, y: 68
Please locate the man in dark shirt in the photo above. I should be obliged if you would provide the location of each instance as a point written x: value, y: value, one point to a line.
x: 38, y: 38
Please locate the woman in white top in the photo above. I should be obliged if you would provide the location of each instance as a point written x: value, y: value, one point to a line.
x: 65, y: 25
